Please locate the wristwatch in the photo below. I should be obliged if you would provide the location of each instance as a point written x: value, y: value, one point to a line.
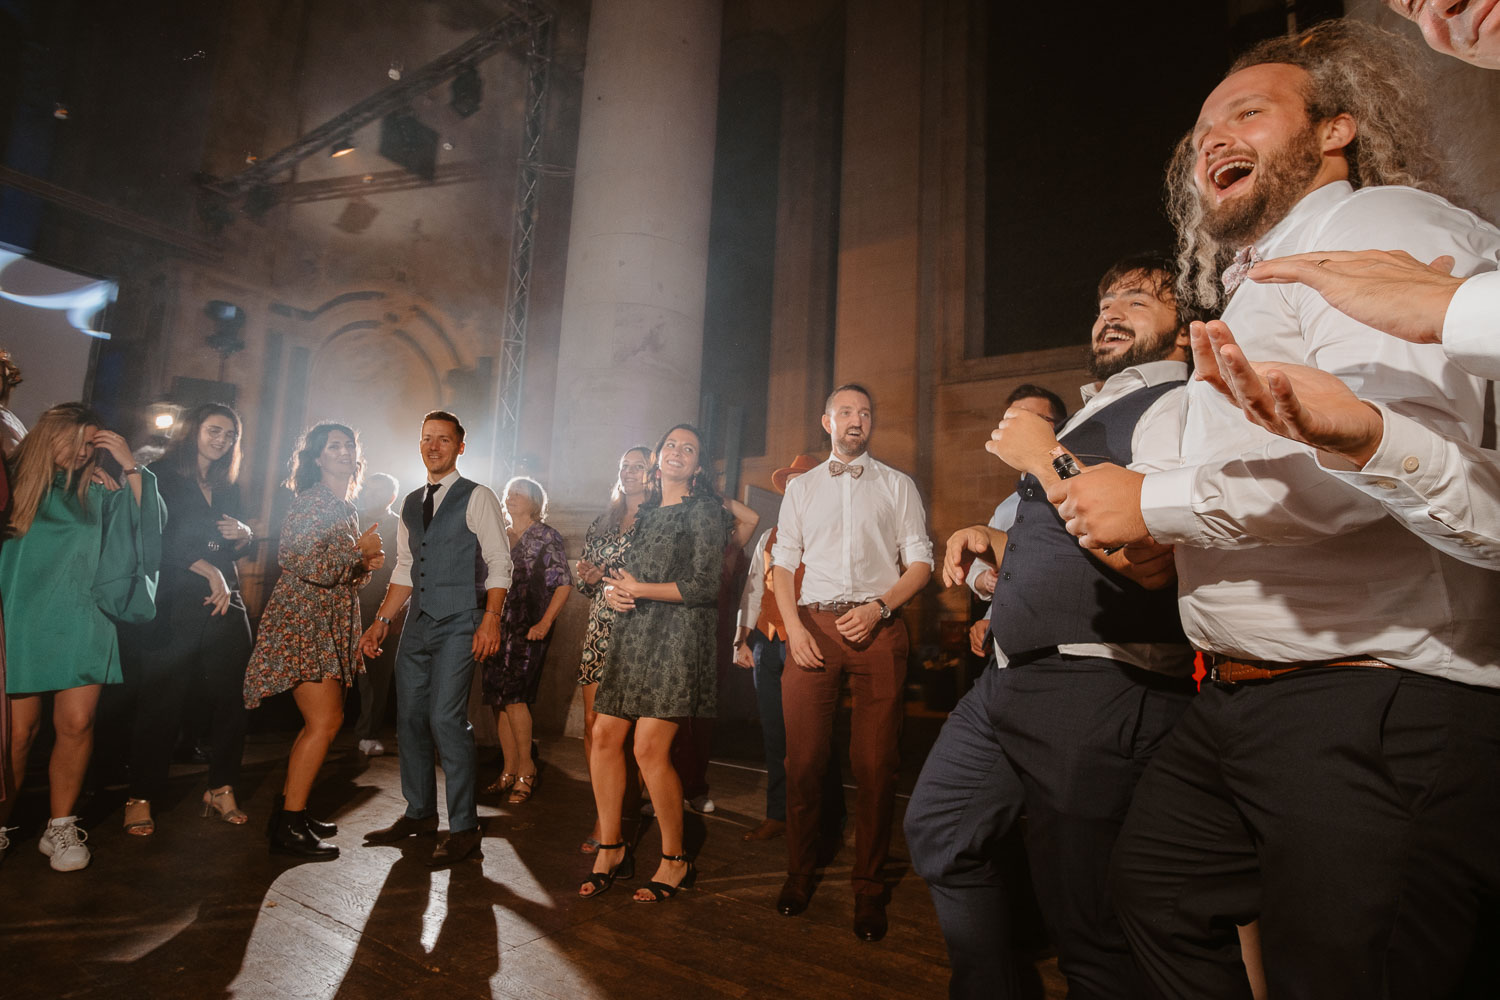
x: 382, y: 619
x: 885, y: 609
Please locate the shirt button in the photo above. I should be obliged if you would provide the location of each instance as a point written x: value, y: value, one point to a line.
x: 1007, y: 576
x: 1011, y: 547
x: 1020, y: 518
x: 1385, y: 484
x: 1411, y: 464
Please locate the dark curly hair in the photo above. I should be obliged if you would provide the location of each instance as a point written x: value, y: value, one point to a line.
x: 305, y: 473
x: 702, y: 483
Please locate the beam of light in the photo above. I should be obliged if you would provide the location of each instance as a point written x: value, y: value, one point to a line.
x: 82, y: 305
x: 437, y: 909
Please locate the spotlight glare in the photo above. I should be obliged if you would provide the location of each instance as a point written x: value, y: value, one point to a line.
x: 164, y: 421
x: 342, y: 148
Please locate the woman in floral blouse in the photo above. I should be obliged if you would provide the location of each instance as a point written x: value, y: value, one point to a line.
x: 309, y: 635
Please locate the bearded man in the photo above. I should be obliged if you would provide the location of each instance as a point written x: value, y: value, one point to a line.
x: 1090, y: 671
x: 1339, y: 776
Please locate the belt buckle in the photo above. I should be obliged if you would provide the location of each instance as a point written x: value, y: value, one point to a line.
x: 1213, y: 675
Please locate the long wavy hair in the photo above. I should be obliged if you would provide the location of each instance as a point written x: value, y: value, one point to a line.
x: 182, y: 454
x: 305, y: 473
x: 617, y: 501
x: 702, y: 483
x: 1352, y: 68
x: 33, y: 466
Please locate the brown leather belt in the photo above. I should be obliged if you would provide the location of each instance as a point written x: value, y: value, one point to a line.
x: 835, y: 607
x: 1224, y: 670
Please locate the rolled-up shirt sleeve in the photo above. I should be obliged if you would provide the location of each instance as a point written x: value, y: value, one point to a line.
x: 787, y: 552
x: 755, y: 586
x: 401, y: 575
x: 485, y: 518
x: 915, y: 545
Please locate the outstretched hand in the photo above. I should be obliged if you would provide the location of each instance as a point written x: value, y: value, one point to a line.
x: 1389, y: 290
x: 1293, y: 401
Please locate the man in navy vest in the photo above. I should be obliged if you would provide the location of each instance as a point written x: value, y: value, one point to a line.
x: 453, y: 564
x: 1091, y: 670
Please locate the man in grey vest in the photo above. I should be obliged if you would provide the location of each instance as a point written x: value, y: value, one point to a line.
x: 453, y: 564
x: 1091, y: 670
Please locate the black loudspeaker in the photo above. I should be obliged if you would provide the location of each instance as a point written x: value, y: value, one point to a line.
x: 409, y: 144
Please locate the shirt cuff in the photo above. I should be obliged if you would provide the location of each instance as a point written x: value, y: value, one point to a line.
x: 1471, y: 329
x: 1406, y: 469
x: 1167, y: 505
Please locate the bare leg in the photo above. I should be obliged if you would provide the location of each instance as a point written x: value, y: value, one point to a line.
x: 507, y: 738
x: 322, y: 706
x: 589, y: 715
x: 73, y: 718
x: 653, y: 751
x: 519, y: 717
x: 25, y: 720
x: 1250, y: 952
x: 608, y: 770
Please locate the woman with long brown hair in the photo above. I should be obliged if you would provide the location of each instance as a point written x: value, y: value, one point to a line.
x: 604, y: 548
x: 201, y: 628
x: 661, y: 664
x: 83, y: 548
x: 309, y: 635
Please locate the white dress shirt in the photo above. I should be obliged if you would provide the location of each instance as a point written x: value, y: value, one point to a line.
x: 483, y: 517
x: 854, y: 535
x: 755, y: 584
x: 1471, y: 328
x: 1153, y: 446
x: 1357, y: 583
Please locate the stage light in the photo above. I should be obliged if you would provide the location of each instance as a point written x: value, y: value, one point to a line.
x: 467, y: 91
x: 164, y: 421
x: 60, y: 112
x: 395, y: 71
x: 342, y: 148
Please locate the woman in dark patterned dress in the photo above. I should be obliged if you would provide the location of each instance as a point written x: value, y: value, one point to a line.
x: 604, y: 552
x: 309, y: 635
x: 540, y: 585
x: 661, y: 661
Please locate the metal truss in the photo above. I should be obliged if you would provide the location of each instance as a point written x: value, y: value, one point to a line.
x: 508, y: 389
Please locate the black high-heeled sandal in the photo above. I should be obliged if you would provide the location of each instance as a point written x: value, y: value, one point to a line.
x: 661, y: 891
x: 601, y: 881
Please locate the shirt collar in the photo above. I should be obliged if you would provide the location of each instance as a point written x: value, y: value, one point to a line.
x: 1148, y: 374
x: 448, y: 480
x: 861, y: 460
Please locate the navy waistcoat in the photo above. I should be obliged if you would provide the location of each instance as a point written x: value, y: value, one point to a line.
x: 448, y: 570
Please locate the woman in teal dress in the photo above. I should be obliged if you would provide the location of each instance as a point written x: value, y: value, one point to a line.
x: 309, y: 634
x: 82, y: 553
x: 661, y: 663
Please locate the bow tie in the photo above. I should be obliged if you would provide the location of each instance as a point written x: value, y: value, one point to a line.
x: 1234, y: 275
x: 839, y: 468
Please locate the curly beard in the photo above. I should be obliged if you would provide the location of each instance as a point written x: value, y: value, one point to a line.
x: 1283, y: 178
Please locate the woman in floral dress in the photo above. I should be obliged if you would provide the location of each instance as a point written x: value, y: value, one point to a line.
x: 309, y: 635
x: 604, y: 552
x: 540, y: 585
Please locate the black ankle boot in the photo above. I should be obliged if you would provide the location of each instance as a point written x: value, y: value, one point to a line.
x: 320, y: 828
x: 292, y: 836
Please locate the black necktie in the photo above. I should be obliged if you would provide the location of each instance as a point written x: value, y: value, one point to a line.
x: 427, y: 503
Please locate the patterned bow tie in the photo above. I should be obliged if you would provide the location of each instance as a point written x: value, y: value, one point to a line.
x: 1234, y: 274
x: 839, y: 468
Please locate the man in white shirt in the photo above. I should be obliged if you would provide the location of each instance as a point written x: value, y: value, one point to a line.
x: 453, y: 565
x: 858, y: 528
x: 1087, y: 648
x: 1338, y: 776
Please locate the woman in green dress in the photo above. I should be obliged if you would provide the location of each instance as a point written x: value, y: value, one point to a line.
x: 661, y: 662
x: 83, y: 549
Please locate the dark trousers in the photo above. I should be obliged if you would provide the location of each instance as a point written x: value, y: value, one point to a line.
x: 809, y: 699
x: 375, y: 688
x: 1066, y: 739
x: 193, y: 644
x: 1356, y: 811
x: 770, y: 661
x: 434, y: 672
x: 690, y: 752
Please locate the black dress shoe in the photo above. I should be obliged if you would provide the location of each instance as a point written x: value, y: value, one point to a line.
x: 869, y: 917
x: 292, y: 837
x: 455, y: 847
x: 320, y: 828
x: 404, y: 827
x: 795, y: 892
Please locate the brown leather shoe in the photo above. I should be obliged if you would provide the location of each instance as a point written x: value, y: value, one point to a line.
x: 455, y: 847
x: 769, y: 829
x: 404, y: 827
x: 795, y: 892
x: 869, y: 917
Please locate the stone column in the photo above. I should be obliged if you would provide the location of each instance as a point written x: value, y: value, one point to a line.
x: 632, y: 313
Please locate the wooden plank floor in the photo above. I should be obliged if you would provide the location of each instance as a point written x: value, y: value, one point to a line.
x: 201, y: 910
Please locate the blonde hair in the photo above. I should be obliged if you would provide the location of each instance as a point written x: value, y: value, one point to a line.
x: 33, y: 467
x: 1352, y: 68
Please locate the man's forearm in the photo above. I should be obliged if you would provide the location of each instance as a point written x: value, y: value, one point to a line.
x: 396, y: 596
x: 912, y: 580
x: 785, y: 584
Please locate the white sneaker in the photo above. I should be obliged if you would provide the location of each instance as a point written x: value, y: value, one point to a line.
x: 371, y: 748
x: 62, y: 841
x: 5, y: 832
x: 702, y: 804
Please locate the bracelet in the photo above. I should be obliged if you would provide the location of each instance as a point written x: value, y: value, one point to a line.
x: 489, y: 612
x: 132, y: 471
x: 382, y: 619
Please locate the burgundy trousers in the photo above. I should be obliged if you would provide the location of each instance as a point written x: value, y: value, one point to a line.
x: 809, y: 700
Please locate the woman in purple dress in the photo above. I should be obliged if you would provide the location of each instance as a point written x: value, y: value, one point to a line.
x: 540, y: 585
